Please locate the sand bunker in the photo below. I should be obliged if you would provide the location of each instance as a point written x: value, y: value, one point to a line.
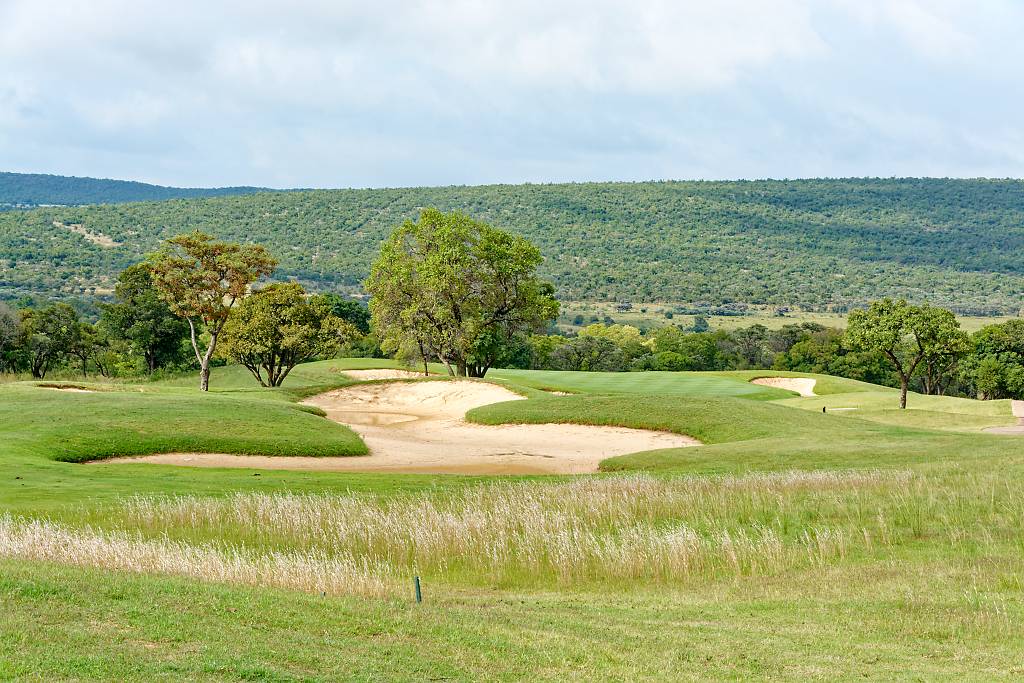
x: 72, y: 389
x: 1017, y: 407
x: 801, y: 385
x: 419, y: 427
x: 381, y: 373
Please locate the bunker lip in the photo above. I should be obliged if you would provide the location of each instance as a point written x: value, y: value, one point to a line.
x: 73, y: 388
x: 419, y: 427
x: 1017, y: 408
x: 382, y: 373
x: 801, y: 385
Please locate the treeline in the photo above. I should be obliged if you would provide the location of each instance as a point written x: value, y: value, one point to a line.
x: 818, y: 244
x: 37, y: 189
x: 988, y: 364
x: 139, y: 335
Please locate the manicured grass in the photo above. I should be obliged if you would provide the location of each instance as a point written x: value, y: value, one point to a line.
x: 647, y: 383
x: 74, y: 427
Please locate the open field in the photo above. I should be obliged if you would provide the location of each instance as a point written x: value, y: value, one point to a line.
x: 794, y: 544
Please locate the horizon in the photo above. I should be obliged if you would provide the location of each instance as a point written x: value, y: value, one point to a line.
x: 546, y: 183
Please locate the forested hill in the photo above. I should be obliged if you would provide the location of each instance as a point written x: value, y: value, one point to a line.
x: 19, y: 190
x: 816, y: 243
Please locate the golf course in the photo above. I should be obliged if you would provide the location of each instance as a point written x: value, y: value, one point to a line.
x: 733, y: 530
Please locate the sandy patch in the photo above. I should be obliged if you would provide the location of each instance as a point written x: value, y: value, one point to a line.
x: 1017, y: 407
x: 801, y: 385
x: 74, y: 390
x: 97, y: 238
x: 381, y: 373
x: 419, y: 427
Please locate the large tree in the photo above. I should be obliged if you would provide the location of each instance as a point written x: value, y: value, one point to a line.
x: 142, y: 319
x: 48, y: 336
x: 8, y: 336
x: 278, y: 327
x: 908, y: 335
x: 349, y: 310
x: 459, y: 289
x: 201, y: 279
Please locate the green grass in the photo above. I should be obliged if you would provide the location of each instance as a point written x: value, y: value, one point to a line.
x: 74, y: 427
x: 647, y: 383
x: 925, y: 581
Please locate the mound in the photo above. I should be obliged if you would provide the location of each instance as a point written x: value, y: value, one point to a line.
x: 801, y: 385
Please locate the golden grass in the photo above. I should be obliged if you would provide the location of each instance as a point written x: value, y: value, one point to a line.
x: 312, y: 571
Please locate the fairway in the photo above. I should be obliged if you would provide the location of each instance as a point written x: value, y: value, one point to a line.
x: 707, y: 550
x: 649, y: 383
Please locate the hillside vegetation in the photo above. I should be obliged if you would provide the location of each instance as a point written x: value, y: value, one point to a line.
x: 821, y: 244
x: 38, y: 189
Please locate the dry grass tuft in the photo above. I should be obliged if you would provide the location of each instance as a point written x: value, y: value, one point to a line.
x: 121, y: 551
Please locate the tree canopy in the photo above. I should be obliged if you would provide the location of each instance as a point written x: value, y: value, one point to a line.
x: 907, y: 335
x: 143, y: 320
x: 201, y: 278
x: 276, y: 328
x: 457, y: 289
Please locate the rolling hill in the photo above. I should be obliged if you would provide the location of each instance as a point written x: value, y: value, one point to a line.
x: 819, y: 244
x: 27, y: 190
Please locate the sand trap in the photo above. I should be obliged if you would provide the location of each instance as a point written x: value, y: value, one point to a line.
x: 419, y: 427
x: 381, y: 373
x: 74, y: 390
x: 1017, y: 407
x: 801, y: 385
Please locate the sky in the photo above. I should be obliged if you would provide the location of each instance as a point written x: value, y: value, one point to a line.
x: 332, y: 93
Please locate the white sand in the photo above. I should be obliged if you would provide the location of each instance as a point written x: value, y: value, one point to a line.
x: 801, y: 385
x: 419, y: 427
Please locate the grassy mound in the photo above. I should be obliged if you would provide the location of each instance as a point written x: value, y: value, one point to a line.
x: 74, y: 427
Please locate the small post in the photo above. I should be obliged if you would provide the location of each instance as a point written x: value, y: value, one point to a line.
x: 419, y: 594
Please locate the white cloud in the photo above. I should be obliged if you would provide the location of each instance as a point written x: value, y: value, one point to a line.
x: 340, y: 92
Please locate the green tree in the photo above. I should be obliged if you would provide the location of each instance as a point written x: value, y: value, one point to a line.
x: 8, y: 336
x: 201, y: 279
x: 276, y: 328
x: 143, y: 320
x: 995, y: 368
x: 459, y: 289
x: 589, y: 354
x: 48, y: 336
x: 350, y: 310
x: 906, y: 334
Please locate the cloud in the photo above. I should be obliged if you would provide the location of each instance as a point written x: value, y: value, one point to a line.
x: 327, y: 93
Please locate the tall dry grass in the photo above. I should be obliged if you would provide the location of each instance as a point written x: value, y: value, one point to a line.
x: 631, y: 528
x: 311, y: 571
x: 625, y: 527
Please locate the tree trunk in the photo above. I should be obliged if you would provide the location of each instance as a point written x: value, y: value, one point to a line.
x: 204, y: 376
x: 904, y: 381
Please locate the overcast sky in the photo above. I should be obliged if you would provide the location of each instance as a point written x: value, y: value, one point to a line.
x: 357, y: 94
